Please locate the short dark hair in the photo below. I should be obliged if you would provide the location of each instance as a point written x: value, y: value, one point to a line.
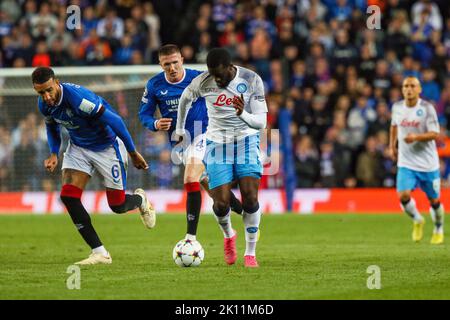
x: 218, y: 57
x: 42, y: 74
x: 168, y: 49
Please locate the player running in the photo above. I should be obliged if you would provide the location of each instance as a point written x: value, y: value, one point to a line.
x: 164, y: 91
x: 99, y: 141
x: 236, y: 110
x: 415, y: 126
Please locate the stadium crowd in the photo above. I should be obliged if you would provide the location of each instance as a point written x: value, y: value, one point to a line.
x: 317, y: 58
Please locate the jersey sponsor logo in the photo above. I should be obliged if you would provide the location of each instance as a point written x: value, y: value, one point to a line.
x: 241, y: 87
x: 259, y: 98
x: 410, y: 124
x: 87, y: 106
x: 67, y: 124
x: 223, y: 100
x: 163, y: 92
x: 419, y: 112
x: 172, y: 102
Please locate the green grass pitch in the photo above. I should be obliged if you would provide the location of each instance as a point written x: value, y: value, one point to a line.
x: 301, y: 257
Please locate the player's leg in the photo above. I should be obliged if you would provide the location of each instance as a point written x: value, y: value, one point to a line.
x: 220, y: 174
x: 74, y: 182
x: 222, y: 213
x: 235, y: 204
x: 251, y: 216
x: 192, y: 173
x: 406, y: 182
x: 76, y: 172
x: 430, y: 183
x: 249, y: 170
x: 112, y: 164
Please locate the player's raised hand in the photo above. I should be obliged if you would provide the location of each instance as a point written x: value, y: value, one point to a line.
x: 410, y: 138
x: 164, y: 124
x: 138, y: 160
x: 51, y: 162
x: 238, y: 104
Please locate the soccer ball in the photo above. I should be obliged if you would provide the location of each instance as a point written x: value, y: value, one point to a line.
x: 188, y: 253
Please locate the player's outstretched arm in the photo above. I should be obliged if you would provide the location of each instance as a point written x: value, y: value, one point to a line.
x: 138, y: 160
x: 120, y: 129
x: 187, y: 98
x: 393, y: 151
x: 54, y: 143
x: 147, y: 110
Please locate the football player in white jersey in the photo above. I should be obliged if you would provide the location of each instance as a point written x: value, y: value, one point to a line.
x: 237, y: 110
x: 415, y: 127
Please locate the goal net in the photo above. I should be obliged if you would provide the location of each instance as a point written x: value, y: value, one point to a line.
x: 23, y: 141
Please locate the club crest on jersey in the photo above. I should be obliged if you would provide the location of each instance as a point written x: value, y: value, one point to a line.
x: 241, y: 87
x: 419, y: 112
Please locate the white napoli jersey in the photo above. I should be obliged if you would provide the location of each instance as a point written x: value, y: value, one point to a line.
x: 419, y: 156
x: 224, y: 125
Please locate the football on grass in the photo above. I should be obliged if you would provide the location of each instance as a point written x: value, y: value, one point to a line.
x: 188, y: 253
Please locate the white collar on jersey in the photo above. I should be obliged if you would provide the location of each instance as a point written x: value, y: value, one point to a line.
x: 184, y: 76
x: 236, y: 76
x: 62, y: 94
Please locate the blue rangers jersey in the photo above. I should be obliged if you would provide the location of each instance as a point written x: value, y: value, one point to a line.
x: 79, y: 111
x: 166, y: 95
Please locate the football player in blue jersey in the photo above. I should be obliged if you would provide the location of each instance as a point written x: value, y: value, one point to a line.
x: 164, y: 91
x: 99, y: 141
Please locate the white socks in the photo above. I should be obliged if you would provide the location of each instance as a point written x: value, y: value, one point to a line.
x: 225, y: 225
x: 438, y: 218
x: 251, y: 222
x: 412, y: 211
x: 190, y: 237
x: 101, y: 250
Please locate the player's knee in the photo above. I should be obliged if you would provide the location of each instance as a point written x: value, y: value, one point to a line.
x: 404, y: 198
x: 71, y: 197
x: 221, y: 208
x: 116, y: 200
x: 250, y: 202
x: 435, y: 204
x: 250, y: 207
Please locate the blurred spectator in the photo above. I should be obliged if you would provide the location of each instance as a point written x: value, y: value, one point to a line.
x: 430, y: 88
x: 306, y: 163
x: 223, y: 11
x: 24, y: 153
x: 163, y: 170
x: 435, y: 18
x: 111, y: 25
x: 44, y: 23
x: 42, y: 57
x: 359, y: 119
x: 368, y: 166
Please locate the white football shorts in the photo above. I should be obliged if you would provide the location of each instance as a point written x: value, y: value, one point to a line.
x: 194, y: 152
x: 111, y: 163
